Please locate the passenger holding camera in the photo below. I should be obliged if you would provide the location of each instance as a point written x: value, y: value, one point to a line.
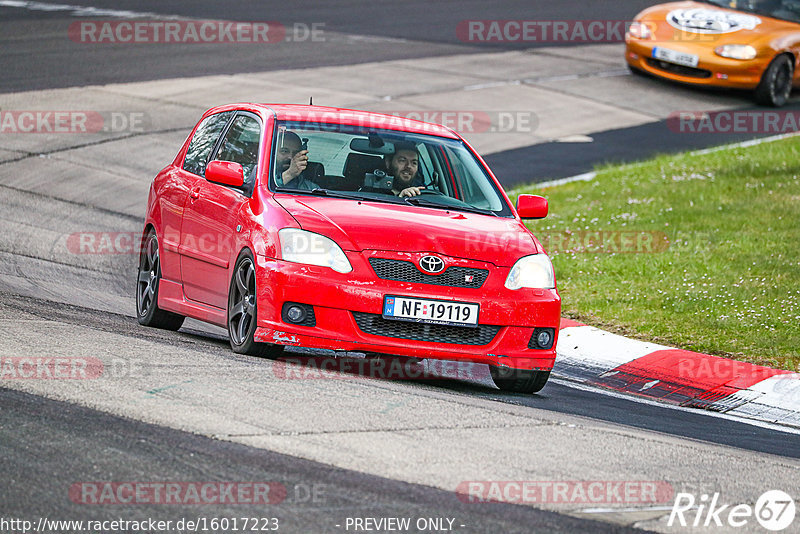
x: 291, y: 164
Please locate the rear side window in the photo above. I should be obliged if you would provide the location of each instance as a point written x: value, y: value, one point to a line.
x: 203, y: 141
x: 240, y: 144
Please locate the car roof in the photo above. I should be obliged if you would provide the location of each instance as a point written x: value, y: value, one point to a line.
x: 307, y: 113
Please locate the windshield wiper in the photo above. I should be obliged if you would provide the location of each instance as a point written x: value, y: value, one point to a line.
x: 319, y: 191
x: 354, y: 196
x: 428, y: 204
x: 331, y: 193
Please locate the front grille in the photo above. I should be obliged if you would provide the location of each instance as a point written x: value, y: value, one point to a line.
x: 405, y: 271
x: 678, y: 69
x: 376, y: 325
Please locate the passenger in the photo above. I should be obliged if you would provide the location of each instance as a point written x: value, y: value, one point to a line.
x: 291, y: 163
x: 403, y: 166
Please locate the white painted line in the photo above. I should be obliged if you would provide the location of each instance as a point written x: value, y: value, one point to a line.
x: 349, y: 38
x: 623, y: 510
x: 576, y: 138
x: 488, y: 85
x: 83, y: 11
x: 585, y: 177
x: 544, y: 79
x: 572, y: 77
x: 744, y: 144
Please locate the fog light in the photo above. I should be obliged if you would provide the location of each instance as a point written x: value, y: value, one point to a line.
x: 299, y: 314
x: 295, y: 314
x: 544, y: 339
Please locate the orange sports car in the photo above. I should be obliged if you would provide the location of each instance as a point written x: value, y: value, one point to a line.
x: 749, y: 44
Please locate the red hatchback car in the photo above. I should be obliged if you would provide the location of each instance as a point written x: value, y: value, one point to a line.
x: 337, y: 229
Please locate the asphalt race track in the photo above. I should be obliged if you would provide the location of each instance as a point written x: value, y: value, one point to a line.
x: 365, y: 31
x: 180, y: 407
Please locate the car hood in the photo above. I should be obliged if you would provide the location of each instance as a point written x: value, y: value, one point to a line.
x: 702, y: 25
x: 360, y: 226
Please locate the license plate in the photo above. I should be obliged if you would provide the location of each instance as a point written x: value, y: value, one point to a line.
x: 673, y: 56
x: 430, y: 311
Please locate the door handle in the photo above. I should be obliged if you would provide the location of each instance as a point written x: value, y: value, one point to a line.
x: 195, y: 194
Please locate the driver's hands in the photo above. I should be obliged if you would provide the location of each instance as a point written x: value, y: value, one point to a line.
x: 410, y: 192
x: 296, y: 167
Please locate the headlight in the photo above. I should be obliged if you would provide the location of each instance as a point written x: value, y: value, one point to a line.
x: 640, y: 30
x: 532, y: 271
x: 299, y: 246
x: 737, y: 51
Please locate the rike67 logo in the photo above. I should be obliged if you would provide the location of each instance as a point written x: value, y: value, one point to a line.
x: 774, y: 510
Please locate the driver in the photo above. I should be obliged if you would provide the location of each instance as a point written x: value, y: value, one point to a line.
x: 403, y: 166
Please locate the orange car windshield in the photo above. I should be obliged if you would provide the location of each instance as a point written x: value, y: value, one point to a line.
x: 788, y: 10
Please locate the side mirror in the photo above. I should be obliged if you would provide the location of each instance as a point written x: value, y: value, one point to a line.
x: 225, y: 173
x: 532, y: 207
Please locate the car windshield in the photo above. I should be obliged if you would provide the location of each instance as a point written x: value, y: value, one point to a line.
x: 779, y: 9
x: 377, y: 165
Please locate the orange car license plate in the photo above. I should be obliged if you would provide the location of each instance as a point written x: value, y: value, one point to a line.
x: 673, y: 56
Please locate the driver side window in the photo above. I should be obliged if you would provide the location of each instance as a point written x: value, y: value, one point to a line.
x: 203, y: 141
x: 241, y: 143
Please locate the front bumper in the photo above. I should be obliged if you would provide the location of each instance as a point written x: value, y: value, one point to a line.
x: 711, y: 70
x: 342, y: 301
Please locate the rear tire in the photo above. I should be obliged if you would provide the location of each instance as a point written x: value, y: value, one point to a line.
x: 518, y: 380
x: 776, y: 83
x: 242, y: 311
x: 147, y: 281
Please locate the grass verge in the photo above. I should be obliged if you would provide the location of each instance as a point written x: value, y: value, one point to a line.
x: 698, y: 251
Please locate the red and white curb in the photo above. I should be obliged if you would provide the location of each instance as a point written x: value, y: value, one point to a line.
x: 681, y: 377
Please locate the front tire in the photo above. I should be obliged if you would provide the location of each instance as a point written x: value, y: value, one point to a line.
x: 242, y: 311
x: 776, y: 83
x: 147, y: 281
x: 518, y: 380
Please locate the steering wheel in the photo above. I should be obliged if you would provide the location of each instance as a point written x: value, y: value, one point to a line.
x: 431, y: 192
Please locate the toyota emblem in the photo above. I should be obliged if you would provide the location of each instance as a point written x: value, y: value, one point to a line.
x: 431, y: 264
